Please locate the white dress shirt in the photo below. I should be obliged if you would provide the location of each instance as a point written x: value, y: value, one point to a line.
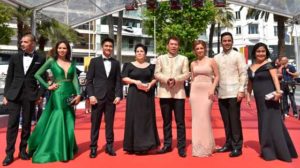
x: 233, y: 74
x: 107, y: 65
x: 171, y: 67
x: 26, y: 63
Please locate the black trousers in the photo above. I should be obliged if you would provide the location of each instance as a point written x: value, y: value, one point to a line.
x: 289, y: 92
x: 108, y: 108
x: 14, y: 108
x: 168, y: 105
x: 230, y: 111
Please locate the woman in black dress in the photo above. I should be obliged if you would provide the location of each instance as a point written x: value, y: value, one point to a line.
x: 274, y: 139
x: 140, y: 134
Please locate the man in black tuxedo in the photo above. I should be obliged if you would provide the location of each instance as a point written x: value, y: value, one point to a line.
x: 21, y: 91
x: 104, y: 89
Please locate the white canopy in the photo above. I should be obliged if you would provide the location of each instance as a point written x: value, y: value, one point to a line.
x: 76, y: 12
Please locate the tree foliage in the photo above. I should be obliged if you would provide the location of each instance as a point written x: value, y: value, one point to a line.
x: 22, y: 15
x: 5, y: 16
x: 224, y: 18
x: 256, y: 14
x: 48, y: 29
x: 187, y: 24
x: 53, y: 31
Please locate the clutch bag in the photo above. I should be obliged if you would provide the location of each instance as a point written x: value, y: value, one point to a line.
x: 70, y: 99
x: 271, y: 95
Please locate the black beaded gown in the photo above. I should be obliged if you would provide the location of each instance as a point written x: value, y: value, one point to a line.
x: 140, y: 122
x: 274, y: 139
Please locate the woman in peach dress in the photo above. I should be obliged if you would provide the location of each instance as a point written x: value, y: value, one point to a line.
x: 205, y: 77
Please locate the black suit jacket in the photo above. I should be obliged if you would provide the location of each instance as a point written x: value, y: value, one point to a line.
x: 17, y: 82
x: 101, y: 86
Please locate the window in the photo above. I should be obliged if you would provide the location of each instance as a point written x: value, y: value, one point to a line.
x: 149, y: 44
x: 85, y: 42
x: 130, y: 24
x: 237, y: 15
x: 86, y: 26
x: 130, y: 43
x: 275, y: 31
x: 104, y: 21
x: 253, y: 29
x: 238, y: 30
x: 285, y: 32
x: 216, y: 31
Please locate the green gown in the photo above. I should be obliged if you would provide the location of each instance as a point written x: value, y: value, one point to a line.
x: 53, y: 138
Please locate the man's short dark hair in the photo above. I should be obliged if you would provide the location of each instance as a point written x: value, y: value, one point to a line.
x: 173, y: 38
x: 31, y: 36
x: 107, y: 39
x: 226, y: 34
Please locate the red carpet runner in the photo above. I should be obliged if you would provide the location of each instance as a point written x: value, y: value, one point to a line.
x: 249, y: 159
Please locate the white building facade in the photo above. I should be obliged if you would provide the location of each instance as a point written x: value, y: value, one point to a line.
x: 248, y: 32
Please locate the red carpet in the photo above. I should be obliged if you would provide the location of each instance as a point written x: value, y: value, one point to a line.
x: 249, y: 159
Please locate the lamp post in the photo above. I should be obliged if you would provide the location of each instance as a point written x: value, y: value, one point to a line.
x: 154, y: 36
x: 33, y: 22
x: 296, y: 34
x: 71, y: 45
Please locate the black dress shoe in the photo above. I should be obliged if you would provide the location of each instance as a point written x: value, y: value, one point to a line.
x: 224, y: 149
x: 182, y: 153
x: 8, y: 160
x: 130, y: 152
x: 235, y: 153
x: 93, y: 153
x: 141, y: 153
x: 110, y: 151
x: 24, y: 155
x: 164, y: 149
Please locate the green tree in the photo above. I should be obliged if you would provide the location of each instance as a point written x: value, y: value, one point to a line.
x: 187, y: 24
x: 51, y: 30
x: 5, y: 16
x: 224, y: 18
x: 22, y: 16
x: 47, y: 29
x: 256, y: 14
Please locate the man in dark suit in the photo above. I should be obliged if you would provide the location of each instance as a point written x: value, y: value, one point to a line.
x: 21, y: 92
x: 104, y: 89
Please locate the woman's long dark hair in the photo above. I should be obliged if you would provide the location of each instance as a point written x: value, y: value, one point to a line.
x: 68, y: 55
x: 256, y: 46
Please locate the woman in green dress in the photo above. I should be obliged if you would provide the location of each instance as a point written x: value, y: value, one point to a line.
x: 53, y: 138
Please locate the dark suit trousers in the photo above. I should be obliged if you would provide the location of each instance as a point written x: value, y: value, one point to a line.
x: 230, y: 111
x: 108, y: 108
x: 288, y: 91
x: 168, y: 105
x: 14, y: 109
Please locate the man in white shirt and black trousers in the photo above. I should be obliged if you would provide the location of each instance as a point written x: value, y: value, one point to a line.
x: 104, y: 88
x: 232, y: 85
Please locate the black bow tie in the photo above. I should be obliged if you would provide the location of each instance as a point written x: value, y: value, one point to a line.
x: 28, y: 55
x: 107, y: 59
